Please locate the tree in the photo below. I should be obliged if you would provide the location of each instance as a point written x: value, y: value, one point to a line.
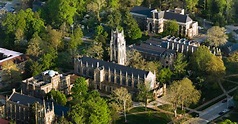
x: 10, y: 72
x: 171, y: 27
x: 57, y: 96
x: 132, y: 30
x: 95, y: 50
x: 199, y: 59
x: 60, y: 11
x: 92, y: 110
x: 216, y: 36
x: 123, y: 98
x: 100, y: 35
x: 179, y: 65
x: 191, y: 4
x: 79, y: 90
x: 135, y: 59
x: 76, y: 39
x: 182, y: 93
x: 115, y: 109
x: 35, y: 67
x: 95, y: 6
x: 144, y: 93
x: 54, y: 37
x: 164, y: 75
x: 34, y: 48
x: 227, y: 121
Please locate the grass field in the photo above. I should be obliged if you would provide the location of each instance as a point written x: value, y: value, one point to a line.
x: 145, y: 118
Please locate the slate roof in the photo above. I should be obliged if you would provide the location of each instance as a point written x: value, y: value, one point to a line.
x: 166, y: 15
x: 142, y: 10
x: 60, y: 110
x: 24, y: 99
x: 114, y: 66
x: 177, y: 17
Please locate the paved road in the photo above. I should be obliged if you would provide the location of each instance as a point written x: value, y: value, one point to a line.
x: 213, y: 112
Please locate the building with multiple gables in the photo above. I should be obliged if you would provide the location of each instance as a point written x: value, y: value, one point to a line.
x: 24, y: 109
x: 153, y: 20
x: 108, y: 76
x: 43, y: 83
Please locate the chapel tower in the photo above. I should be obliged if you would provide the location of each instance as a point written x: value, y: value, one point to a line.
x: 118, y: 47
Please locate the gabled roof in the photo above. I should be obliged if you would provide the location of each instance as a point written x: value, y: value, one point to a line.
x: 113, y: 66
x: 24, y: 99
x: 142, y: 10
x: 176, y: 16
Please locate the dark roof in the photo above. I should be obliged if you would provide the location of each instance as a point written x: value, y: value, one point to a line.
x: 142, y: 10
x: 176, y: 16
x: 114, y: 66
x: 24, y: 99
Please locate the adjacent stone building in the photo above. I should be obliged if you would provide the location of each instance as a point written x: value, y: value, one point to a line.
x: 24, y: 109
x: 153, y: 20
x: 107, y: 76
x: 43, y: 83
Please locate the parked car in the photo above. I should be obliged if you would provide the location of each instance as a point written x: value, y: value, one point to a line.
x: 224, y: 101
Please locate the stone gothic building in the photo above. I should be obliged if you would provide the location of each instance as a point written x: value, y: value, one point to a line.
x: 153, y: 20
x: 118, y: 47
x: 19, y: 107
x: 107, y: 76
x: 43, y: 83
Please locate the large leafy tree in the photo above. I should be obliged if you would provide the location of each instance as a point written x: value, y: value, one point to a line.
x: 164, y: 75
x: 179, y: 65
x: 10, y: 72
x: 59, y: 97
x: 76, y: 39
x: 182, y: 93
x: 96, y: 6
x: 191, y: 4
x: 89, y: 107
x: 34, y: 48
x: 122, y: 98
x: 60, y: 11
x: 227, y: 121
x: 144, y: 93
x: 79, y: 90
x: 171, y: 27
x: 216, y: 36
x: 95, y: 50
x: 132, y: 30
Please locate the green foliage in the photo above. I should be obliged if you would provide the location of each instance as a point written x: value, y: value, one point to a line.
x: 164, y: 75
x: 144, y: 93
x: 131, y: 28
x: 122, y: 98
x: 76, y: 39
x: 10, y: 72
x: 21, y: 26
x: 59, y: 97
x: 89, y: 107
x: 60, y: 11
x: 182, y: 93
x: 179, y: 65
x: 227, y: 121
x: 216, y: 36
x: 95, y: 50
x: 205, y: 64
x: 191, y: 4
x: 171, y: 28
x: 95, y: 6
x: 79, y: 90
x: 100, y: 35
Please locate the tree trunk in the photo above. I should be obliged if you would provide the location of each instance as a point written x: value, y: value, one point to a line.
x: 124, y: 107
x: 175, y: 112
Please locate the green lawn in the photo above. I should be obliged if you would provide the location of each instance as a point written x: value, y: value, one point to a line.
x: 152, y: 118
x: 139, y: 109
